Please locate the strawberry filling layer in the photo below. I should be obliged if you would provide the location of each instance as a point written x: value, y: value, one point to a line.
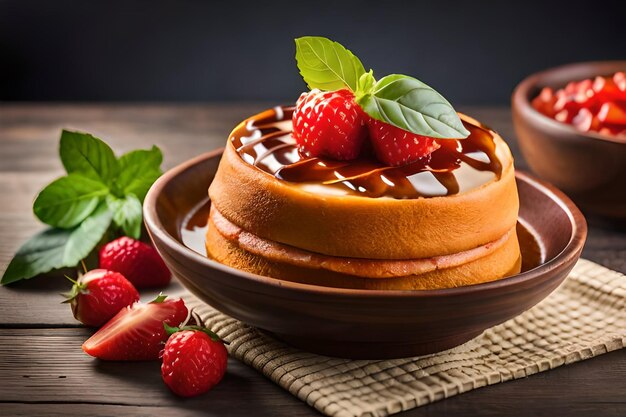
x: 367, y: 268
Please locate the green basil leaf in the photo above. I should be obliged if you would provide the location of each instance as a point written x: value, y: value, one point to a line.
x: 87, y: 155
x: 127, y: 214
x: 138, y: 171
x: 57, y: 248
x: 411, y: 105
x: 327, y: 65
x: 69, y: 200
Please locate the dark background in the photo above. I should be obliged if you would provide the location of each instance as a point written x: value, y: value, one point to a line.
x: 474, y: 52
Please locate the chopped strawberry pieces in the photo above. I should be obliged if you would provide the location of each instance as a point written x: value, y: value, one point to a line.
x: 619, y: 78
x: 545, y: 102
x: 589, y: 105
x: 611, y: 112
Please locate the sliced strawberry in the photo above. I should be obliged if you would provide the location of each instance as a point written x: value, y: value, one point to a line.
x: 570, y: 88
x: 612, y: 113
x: 613, y: 130
x: 136, y: 332
x: 564, y: 116
x: 545, y: 102
x: 569, y: 104
x: 395, y: 146
x: 619, y: 79
x: 610, y: 88
x: 586, y: 121
x: 99, y: 295
x: 329, y: 123
x: 583, y: 95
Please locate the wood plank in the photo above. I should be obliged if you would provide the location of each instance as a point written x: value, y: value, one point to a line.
x: 48, y: 366
x: 29, y: 133
x: 92, y: 410
x: 37, y: 303
x: 185, y: 409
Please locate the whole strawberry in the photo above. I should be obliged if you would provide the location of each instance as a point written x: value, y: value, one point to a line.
x: 194, y: 361
x: 329, y: 123
x: 395, y: 146
x: 136, y: 333
x: 139, y: 262
x: 99, y: 295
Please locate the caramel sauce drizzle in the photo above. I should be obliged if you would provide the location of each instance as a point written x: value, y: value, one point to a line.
x: 265, y: 142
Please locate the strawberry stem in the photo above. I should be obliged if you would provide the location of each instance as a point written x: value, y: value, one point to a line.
x: 171, y: 330
x: 82, y: 262
x: 73, y: 281
x: 159, y: 299
x: 77, y: 288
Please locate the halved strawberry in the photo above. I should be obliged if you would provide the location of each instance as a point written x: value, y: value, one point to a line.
x: 136, y: 332
x: 395, y: 146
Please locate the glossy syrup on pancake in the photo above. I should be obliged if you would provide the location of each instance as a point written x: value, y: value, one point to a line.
x: 265, y: 142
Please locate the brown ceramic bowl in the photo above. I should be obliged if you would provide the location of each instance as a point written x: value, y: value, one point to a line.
x: 589, y: 167
x: 362, y: 323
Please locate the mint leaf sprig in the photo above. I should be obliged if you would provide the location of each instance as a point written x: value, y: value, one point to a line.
x: 396, y: 99
x: 101, y: 195
x: 327, y: 65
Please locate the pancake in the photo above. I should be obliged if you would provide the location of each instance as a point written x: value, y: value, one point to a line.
x: 235, y: 247
x: 444, y: 221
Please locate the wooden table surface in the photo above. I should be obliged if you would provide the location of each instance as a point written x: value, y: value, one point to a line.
x: 44, y: 372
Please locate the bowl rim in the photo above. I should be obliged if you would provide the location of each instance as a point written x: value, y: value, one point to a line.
x: 565, y: 257
x: 521, y: 99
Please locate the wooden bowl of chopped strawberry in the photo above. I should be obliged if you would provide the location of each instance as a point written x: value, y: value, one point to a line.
x: 571, y: 126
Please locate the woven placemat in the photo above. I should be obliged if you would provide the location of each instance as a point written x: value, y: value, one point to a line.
x: 583, y: 318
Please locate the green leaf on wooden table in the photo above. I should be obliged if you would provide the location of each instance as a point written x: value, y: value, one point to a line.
x: 138, y: 171
x: 127, y: 214
x: 58, y: 248
x: 409, y: 104
x: 327, y: 65
x: 85, y: 154
x: 68, y: 200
